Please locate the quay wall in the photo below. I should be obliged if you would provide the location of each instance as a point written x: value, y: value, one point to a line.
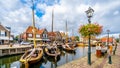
x: 13, y: 50
x: 6, y: 50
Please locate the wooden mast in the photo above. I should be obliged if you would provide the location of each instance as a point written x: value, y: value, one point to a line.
x: 33, y: 24
x: 66, y: 32
x: 52, y: 24
x: 72, y: 33
x: 52, y: 18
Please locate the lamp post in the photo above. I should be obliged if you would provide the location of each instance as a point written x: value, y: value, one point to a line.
x: 89, y: 13
x: 109, y: 58
x: 119, y: 38
x: 108, y: 38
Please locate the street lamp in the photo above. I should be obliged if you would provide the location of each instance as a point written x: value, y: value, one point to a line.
x: 109, y: 61
x: 108, y: 38
x: 119, y: 38
x: 89, y: 13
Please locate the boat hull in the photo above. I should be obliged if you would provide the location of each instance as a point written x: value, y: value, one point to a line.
x: 32, y: 59
x: 68, y: 48
x: 50, y: 54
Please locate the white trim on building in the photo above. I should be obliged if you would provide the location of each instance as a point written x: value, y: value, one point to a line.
x: 6, y: 38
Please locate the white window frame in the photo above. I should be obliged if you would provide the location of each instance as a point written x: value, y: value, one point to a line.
x: 37, y: 35
x: 46, y: 36
x: 29, y: 35
x: 2, y: 33
x: 43, y: 35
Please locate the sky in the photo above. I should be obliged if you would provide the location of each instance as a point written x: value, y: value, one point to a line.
x: 17, y: 14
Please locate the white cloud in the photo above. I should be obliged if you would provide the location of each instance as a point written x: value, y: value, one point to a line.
x: 9, y: 5
x: 71, y: 10
x: 116, y: 13
x: 15, y: 15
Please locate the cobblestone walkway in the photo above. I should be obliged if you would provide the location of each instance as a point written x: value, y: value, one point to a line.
x: 96, y: 62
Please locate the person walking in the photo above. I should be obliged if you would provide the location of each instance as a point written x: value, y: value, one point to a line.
x: 114, y: 48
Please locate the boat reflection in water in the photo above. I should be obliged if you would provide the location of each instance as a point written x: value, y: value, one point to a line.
x: 38, y: 64
x: 46, y: 61
x: 53, y: 61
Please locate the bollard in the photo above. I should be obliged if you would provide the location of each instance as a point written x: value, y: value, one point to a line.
x: 110, y: 52
x: 110, y: 61
x: 10, y: 44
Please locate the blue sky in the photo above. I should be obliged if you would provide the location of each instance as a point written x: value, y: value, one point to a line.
x: 17, y: 14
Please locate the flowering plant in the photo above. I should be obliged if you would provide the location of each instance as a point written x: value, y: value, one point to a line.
x: 92, y: 29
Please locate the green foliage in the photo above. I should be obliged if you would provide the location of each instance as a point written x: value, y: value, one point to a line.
x: 16, y: 38
x: 77, y: 38
x: 117, y: 40
x: 92, y: 29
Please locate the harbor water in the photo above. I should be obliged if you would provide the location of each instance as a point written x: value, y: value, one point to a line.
x: 46, y: 61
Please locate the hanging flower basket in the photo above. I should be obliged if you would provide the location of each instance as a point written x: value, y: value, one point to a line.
x: 92, y: 29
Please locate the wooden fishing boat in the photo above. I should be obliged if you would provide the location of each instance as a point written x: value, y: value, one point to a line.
x: 32, y: 56
x: 52, y: 51
x: 68, y: 47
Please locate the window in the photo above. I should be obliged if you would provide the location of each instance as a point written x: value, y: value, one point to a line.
x: 45, y: 35
x: 5, y: 33
x: 38, y: 36
x: 2, y: 33
x: 30, y: 35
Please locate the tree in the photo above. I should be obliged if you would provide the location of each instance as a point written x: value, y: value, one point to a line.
x: 92, y: 29
x: 77, y: 38
x: 117, y: 40
x: 16, y: 38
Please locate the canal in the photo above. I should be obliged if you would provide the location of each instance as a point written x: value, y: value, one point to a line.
x: 46, y: 61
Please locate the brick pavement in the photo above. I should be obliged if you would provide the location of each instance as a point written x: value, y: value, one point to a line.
x: 96, y: 62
